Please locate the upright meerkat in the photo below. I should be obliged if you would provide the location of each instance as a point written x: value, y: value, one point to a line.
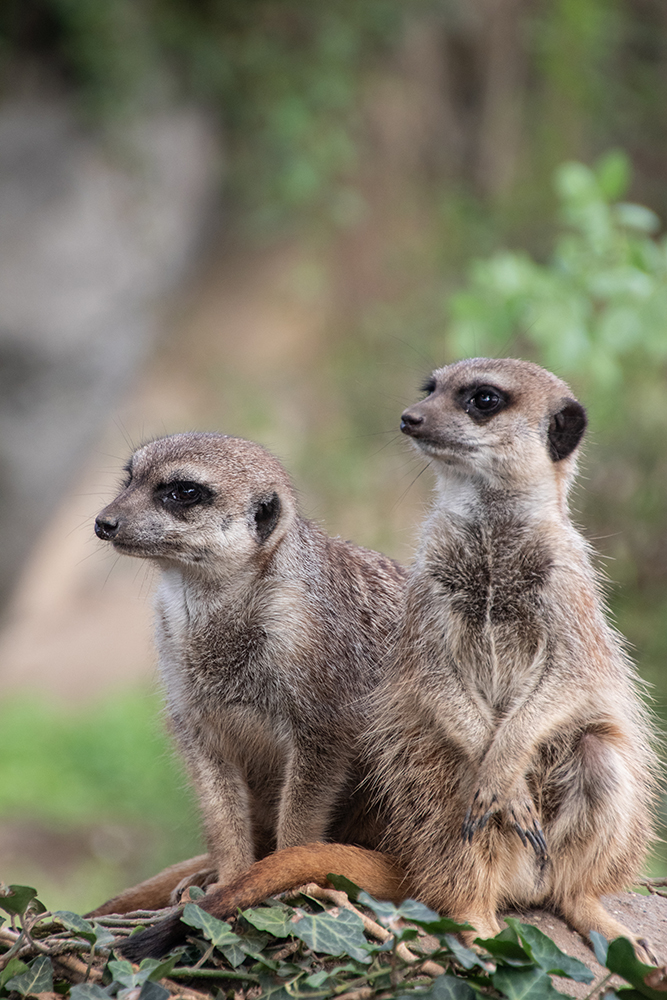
x: 270, y: 637
x: 514, y: 751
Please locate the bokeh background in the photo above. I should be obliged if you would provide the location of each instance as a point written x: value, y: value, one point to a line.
x: 274, y: 218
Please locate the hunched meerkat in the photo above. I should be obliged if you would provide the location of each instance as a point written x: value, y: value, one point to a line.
x: 513, y: 752
x: 270, y: 636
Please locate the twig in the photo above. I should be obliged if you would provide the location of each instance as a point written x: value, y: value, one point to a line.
x: 135, y: 918
x: 79, y: 968
x: 654, y: 885
x: 362, y: 994
x: 339, y: 898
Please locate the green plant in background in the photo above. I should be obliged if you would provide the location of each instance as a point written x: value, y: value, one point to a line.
x: 598, y: 306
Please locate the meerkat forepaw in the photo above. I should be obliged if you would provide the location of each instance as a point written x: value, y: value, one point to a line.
x: 522, y: 817
x: 482, y: 807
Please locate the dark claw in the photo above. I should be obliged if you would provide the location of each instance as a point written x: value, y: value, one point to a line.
x: 485, y: 819
x: 519, y: 830
x: 539, y: 833
x: 647, y: 948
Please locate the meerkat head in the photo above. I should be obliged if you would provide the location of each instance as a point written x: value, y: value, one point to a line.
x: 509, y: 424
x: 206, y: 503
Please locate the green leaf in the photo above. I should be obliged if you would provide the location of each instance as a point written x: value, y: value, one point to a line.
x: 273, y: 990
x: 124, y: 974
x: 600, y: 947
x: 38, y: 978
x: 88, y: 991
x: 327, y: 934
x: 275, y: 921
x: 103, y: 936
x: 150, y: 970
x: 319, y: 978
x: 622, y: 960
x: 385, y: 911
x: 613, y: 174
x: 156, y: 969
x: 636, y: 217
x: 548, y: 955
x: 417, y: 913
x: 525, y: 984
x: 345, y: 885
x: 464, y: 956
x: 18, y: 899
x: 14, y: 967
x: 153, y: 991
x: 217, y: 931
x: 505, y: 951
x: 444, y: 988
x: 73, y: 922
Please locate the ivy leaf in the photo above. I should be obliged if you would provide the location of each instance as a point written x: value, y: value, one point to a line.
x: 14, y: 967
x: 276, y: 921
x: 444, y: 988
x: 548, y: 955
x: 37, y: 979
x: 153, y: 991
x: 385, y: 911
x: 417, y: 913
x: 103, y: 936
x: 18, y: 899
x: 622, y: 960
x: 88, y: 991
x: 272, y: 990
x: 464, y: 956
x: 327, y: 934
x: 73, y: 922
x: 124, y: 974
x: 600, y: 947
x: 217, y: 931
x: 319, y: 978
x: 525, y: 984
x: 505, y: 951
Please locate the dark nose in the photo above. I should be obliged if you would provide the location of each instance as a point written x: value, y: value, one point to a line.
x: 106, y: 527
x: 411, y: 422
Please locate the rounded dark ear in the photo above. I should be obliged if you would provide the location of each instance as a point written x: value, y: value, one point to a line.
x: 566, y: 429
x: 266, y: 514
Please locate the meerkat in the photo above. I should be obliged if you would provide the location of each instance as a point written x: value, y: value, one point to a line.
x: 514, y: 752
x: 509, y: 743
x: 270, y: 636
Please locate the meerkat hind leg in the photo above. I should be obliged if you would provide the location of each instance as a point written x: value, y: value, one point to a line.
x: 586, y: 914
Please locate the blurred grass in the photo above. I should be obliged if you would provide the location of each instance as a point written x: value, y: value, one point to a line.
x: 103, y: 788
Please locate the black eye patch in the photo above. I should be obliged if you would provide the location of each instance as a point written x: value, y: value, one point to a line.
x: 183, y: 493
x: 483, y: 401
x: 265, y: 515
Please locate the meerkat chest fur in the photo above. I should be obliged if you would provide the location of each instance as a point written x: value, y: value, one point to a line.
x: 490, y: 578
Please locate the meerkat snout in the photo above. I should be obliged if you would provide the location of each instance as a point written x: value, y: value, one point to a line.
x: 106, y: 528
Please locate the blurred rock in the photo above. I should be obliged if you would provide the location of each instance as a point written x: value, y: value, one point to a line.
x: 92, y: 233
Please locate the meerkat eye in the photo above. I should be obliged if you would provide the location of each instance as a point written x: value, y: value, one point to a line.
x: 484, y: 401
x: 184, y: 493
x: 428, y: 386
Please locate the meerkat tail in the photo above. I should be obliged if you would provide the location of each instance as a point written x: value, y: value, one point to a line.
x: 377, y: 873
x: 153, y: 893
